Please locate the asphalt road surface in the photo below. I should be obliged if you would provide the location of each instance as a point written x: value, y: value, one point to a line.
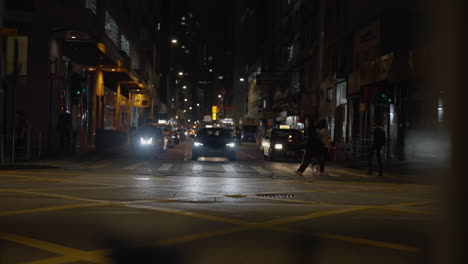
x: 174, y: 210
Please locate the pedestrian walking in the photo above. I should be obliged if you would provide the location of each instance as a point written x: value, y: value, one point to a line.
x: 64, y: 128
x: 322, y: 130
x: 378, y: 140
x: 313, y: 147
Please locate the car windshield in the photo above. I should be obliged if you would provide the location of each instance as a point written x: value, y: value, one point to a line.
x: 149, y: 131
x: 213, y: 132
x: 286, y: 134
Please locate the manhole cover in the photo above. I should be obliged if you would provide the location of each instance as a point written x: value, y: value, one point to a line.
x: 276, y: 195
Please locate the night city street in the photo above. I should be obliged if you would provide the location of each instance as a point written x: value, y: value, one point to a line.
x: 232, y: 131
x: 77, y: 214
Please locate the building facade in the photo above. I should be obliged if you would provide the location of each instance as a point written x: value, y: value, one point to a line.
x: 90, y: 72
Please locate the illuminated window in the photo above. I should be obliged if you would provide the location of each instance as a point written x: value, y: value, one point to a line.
x: 125, y: 45
x: 341, y: 94
x: 111, y: 28
x: 91, y: 5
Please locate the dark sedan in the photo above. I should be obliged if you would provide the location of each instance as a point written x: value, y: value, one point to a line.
x: 214, y: 142
x: 281, y: 143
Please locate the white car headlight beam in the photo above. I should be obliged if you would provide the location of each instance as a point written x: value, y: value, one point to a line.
x: 231, y: 145
x: 197, y: 144
x: 146, y: 142
x: 278, y: 146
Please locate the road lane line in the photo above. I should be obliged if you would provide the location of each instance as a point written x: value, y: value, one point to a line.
x: 55, y: 248
x: 56, y: 260
x: 197, y: 167
x: 165, y: 167
x: 53, y: 208
x: 188, y: 238
x: 368, y: 242
x: 134, y: 166
x: 260, y: 170
x: 314, y: 215
x: 228, y: 168
x: 70, y: 258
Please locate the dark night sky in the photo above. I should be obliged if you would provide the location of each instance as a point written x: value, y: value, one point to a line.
x: 213, y: 16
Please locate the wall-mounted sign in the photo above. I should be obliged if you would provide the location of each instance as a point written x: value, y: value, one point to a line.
x: 141, y: 100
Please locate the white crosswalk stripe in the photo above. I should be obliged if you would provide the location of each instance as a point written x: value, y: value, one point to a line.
x: 197, y: 167
x: 260, y: 170
x: 228, y: 168
x: 165, y: 167
x: 134, y: 166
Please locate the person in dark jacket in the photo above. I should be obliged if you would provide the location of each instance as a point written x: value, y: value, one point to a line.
x: 313, y: 148
x: 378, y: 140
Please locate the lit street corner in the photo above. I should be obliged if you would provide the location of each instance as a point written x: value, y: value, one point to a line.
x: 196, y: 208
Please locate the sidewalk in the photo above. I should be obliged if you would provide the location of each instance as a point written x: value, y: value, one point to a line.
x: 63, y: 160
x: 411, y: 171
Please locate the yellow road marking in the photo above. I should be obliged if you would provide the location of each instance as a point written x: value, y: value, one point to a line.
x: 56, y: 260
x: 72, y: 188
x: 368, y: 242
x: 13, y: 180
x: 316, y: 215
x: 66, y: 197
x: 52, y: 208
x: 407, y: 211
x: 204, y: 235
x: 56, y: 248
x: 70, y: 259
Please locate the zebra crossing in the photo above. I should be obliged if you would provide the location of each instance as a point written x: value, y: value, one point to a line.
x: 197, y: 167
x: 235, y: 169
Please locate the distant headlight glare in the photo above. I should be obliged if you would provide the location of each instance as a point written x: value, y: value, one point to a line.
x: 146, y: 141
x: 231, y: 145
x: 197, y: 144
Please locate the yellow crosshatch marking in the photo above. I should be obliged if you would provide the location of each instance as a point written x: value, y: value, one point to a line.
x: 69, y: 255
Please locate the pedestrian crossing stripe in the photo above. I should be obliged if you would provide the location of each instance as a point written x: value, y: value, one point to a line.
x: 165, y: 167
x: 134, y: 166
x: 197, y: 167
x: 260, y: 170
x: 228, y: 168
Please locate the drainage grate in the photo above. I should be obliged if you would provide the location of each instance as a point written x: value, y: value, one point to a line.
x: 276, y: 195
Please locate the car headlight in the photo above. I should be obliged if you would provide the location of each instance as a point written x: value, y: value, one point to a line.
x: 278, y: 146
x: 147, y: 141
x: 231, y: 145
x: 197, y: 144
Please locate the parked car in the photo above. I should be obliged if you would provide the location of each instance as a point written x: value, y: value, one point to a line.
x: 167, y: 132
x: 249, y: 133
x: 214, y: 142
x: 282, y: 143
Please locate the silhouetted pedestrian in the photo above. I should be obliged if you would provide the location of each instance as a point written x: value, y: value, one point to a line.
x: 322, y: 130
x: 313, y: 146
x: 378, y: 140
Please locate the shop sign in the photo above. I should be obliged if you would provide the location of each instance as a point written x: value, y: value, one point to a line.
x: 141, y: 100
x: 8, y: 32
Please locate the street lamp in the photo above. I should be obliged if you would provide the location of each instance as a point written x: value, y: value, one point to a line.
x: 221, y: 77
x: 242, y: 79
x: 181, y: 73
x: 198, y: 104
x: 211, y: 70
x: 185, y: 100
x: 190, y: 108
x: 184, y: 87
x: 174, y: 41
x: 219, y: 96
